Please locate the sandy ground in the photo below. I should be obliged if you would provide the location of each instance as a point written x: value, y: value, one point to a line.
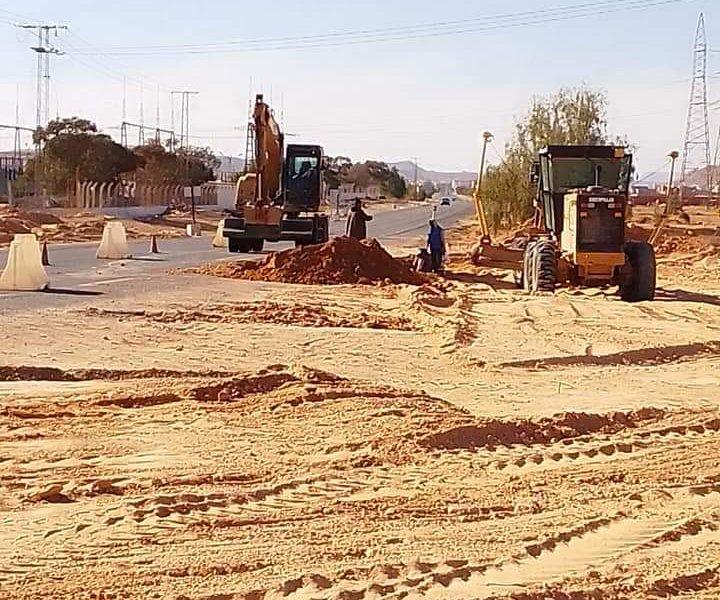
x: 249, y: 440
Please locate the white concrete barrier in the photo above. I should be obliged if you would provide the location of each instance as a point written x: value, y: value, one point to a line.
x: 114, y: 244
x: 24, y: 270
x: 220, y: 241
x: 193, y: 230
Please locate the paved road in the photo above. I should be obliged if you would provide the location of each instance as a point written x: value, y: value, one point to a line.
x: 76, y: 272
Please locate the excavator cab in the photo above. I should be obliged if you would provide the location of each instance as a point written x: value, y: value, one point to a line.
x: 582, y: 194
x: 302, y: 186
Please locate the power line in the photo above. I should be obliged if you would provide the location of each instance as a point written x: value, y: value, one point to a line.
x: 373, y: 32
x: 464, y: 26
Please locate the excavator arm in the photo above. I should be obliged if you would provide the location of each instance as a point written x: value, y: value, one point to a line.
x: 269, y: 150
x: 256, y: 193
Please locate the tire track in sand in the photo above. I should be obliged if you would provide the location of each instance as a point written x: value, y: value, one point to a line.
x: 568, y: 554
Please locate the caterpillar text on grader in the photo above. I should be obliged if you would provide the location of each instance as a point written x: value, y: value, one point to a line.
x: 582, y: 195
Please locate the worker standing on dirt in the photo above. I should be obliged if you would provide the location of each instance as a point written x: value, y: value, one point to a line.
x: 357, y: 222
x: 436, y: 245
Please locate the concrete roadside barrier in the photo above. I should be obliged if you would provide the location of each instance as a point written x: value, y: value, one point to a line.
x: 114, y: 244
x: 193, y: 230
x: 24, y: 270
x: 220, y: 241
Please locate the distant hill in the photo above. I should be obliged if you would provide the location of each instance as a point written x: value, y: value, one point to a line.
x: 407, y: 170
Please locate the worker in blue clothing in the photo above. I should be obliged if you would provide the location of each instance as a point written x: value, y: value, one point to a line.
x: 436, y: 245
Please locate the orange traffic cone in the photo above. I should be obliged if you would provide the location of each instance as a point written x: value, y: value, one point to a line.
x: 44, y: 258
x: 154, y: 245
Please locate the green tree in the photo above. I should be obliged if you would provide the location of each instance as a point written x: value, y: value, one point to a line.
x: 395, y: 184
x: 158, y: 165
x: 372, y: 172
x: 571, y: 116
x: 188, y: 166
x: 337, y: 171
x: 73, y: 149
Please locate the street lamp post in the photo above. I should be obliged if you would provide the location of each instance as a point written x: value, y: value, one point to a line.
x: 674, y: 155
x: 479, y: 208
x: 655, y: 235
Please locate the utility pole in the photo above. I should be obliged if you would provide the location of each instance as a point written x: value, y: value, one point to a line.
x: 673, y: 157
x: 416, y: 189
x: 43, y: 50
x: 696, y: 152
x: 669, y: 208
x: 157, y: 115
x: 124, y: 100
x: 479, y: 207
x: 185, y: 141
x: 17, y: 146
x: 184, y: 115
x: 141, y: 130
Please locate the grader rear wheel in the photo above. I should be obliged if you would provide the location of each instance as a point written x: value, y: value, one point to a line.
x: 641, y: 286
x: 545, y: 267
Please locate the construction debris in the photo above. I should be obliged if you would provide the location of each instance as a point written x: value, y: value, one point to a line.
x: 340, y: 261
x: 79, y: 226
x: 14, y: 220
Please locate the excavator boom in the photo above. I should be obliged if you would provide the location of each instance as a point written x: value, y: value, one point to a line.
x: 281, y: 199
x: 269, y: 151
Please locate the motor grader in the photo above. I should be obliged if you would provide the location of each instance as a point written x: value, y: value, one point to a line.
x: 582, y: 195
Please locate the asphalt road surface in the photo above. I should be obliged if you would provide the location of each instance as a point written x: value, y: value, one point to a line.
x: 75, y: 272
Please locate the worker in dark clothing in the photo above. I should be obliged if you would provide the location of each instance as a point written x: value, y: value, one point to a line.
x: 357, y: 222
x: 436, y: 245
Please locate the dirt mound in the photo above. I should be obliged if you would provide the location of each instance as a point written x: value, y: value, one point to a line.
x: 78, y: 227
x: 678, y: 240
x: 309, y: 315
x: 263, y: 381
x: 340, y: 261
x: 14, y: 220
x: 493, y: 432
x: 30, y: 373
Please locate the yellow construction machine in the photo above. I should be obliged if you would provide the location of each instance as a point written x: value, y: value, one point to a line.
x: 582, y: 195
x: 280, y: 200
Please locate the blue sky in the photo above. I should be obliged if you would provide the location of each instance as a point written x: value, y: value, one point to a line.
x: 428, y: 98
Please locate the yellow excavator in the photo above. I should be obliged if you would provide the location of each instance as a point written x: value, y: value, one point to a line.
x: 281, y: 200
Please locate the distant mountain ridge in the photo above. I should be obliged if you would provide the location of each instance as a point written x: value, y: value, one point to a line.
x: 407, y: 170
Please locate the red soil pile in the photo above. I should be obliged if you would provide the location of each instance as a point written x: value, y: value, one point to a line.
x: 340, y: 261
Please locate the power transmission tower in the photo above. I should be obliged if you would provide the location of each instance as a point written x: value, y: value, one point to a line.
x: 696, y: 152
x: 184, y: 116
x: 44, y: 50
